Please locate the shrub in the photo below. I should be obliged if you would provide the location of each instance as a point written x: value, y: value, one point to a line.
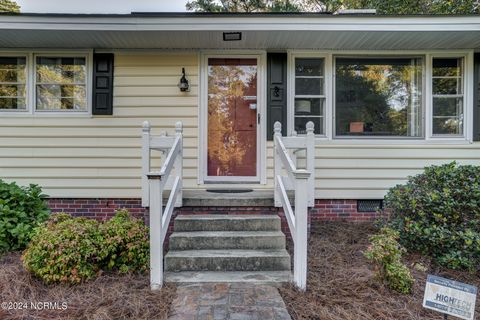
x: 71, y: 250
x: 64, y: 249
x: 21, y: 210
x: 386, y: 253
x: 438, y: 214
x: 125, y: 242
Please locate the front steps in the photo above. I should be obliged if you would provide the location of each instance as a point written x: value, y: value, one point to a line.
x: 227, y: 248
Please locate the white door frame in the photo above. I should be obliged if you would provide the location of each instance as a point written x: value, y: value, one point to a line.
x: 261, y: 176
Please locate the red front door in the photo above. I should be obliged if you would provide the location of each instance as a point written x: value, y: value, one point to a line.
x: 232, y: 117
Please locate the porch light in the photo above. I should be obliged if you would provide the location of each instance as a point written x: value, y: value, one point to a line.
x: 183, y: 84
x: 232, y: 36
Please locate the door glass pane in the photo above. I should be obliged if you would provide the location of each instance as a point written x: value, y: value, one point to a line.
x: 232, y: 117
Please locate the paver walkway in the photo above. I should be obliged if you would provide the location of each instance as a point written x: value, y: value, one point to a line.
x: 232, y: 301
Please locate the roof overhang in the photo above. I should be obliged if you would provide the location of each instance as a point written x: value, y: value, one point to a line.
x: 275, y: 32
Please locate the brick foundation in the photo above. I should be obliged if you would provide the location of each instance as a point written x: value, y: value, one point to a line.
x: 103, y: 209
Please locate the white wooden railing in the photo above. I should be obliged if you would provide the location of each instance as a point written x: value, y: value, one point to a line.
x: 169, y: 177
x: 303, y: 183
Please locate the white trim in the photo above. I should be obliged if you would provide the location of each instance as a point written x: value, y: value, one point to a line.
x: 426, y: 138
x: 31, y: 83
x: 327, y: 82
x: 241, y: 23
x: 261, y: 176
x: 468, y: 87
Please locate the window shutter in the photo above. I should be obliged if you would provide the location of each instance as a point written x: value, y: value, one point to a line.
x: 277, y: 92
x: 102, y: 84
x: 476, y: 99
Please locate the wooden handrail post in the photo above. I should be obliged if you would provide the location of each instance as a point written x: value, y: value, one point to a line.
x: 156, y: 237
x: 145, y: 163
x: 311, y: 162
x: 179, y: 162
x: 301, y: 225
x: 277, y: 132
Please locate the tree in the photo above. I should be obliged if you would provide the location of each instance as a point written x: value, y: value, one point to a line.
x: 9, y: 6
x: 382, y: 6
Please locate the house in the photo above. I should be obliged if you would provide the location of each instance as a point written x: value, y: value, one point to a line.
x: 387, y: 95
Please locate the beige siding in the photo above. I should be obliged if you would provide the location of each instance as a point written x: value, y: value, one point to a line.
x: 100, y: 156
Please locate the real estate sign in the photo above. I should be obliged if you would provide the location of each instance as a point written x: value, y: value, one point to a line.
x: 450, y: 297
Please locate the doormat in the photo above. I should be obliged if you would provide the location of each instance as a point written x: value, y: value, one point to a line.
x: 229, y: 190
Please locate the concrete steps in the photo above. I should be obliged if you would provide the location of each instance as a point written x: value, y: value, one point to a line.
x: 205, y: 240
x: 227, y: 248
x: 220, y: 222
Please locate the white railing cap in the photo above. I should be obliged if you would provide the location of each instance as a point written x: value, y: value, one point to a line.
x: 301, y: 174
x: 155, y: 175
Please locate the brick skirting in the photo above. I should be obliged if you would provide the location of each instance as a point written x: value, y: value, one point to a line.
x: 103, y: 209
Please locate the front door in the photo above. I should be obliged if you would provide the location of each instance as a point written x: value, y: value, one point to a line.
x: 232, y: 137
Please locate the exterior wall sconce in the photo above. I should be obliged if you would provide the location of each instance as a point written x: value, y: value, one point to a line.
x: 183, y: 84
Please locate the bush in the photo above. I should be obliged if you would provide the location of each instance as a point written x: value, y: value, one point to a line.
x: 21, y: 210
x: 125, y: 242
x: 64, y: 249
x: 438, y: 214
x: 386, y: 253
x: 71, y: 250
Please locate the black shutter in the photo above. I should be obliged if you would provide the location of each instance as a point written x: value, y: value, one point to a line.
x: 476, y: 99
x: 277, y: 92
x: 102, y: 84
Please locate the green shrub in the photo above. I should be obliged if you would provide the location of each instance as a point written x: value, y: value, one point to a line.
x: 64, y: 249
x: 386, y: 253
x: 71, y: 250
x: 21, y: 210
x: 438, y: 214
x: 125, y: 242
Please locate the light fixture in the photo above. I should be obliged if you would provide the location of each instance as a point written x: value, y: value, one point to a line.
x: 183, y: 84
x: 232, y: 36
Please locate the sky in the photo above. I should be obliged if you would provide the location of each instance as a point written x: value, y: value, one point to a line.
x: 100, y: 6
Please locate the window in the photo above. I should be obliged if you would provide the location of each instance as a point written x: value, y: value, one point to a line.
x: 447, y: 95
x: 13, y: 83
x: 379, y: 97
x: 309, y: 94
x: 61, y: 83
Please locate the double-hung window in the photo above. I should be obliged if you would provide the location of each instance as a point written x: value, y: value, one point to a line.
x: 60, y: 83
x: 447, y: 96
x: 13, y: 83
x: 44, y: 83
x: 309, y: 98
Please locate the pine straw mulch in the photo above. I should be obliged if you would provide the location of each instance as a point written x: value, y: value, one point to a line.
x: 341, y: 285
x: 110, y: 296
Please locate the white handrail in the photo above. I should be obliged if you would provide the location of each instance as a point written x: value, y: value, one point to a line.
x: 303, y: 185
x: 152, y: 192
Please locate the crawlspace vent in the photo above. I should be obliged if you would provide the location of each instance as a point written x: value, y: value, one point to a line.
x: 369, y: 205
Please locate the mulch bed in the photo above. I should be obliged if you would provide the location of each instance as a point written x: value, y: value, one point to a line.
x: 110, y: 296
x: 341, y: 284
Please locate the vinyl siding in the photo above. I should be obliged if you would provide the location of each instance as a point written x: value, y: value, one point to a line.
x: 100, y: 156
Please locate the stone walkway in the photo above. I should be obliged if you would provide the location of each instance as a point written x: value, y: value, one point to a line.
x: 232, y: 301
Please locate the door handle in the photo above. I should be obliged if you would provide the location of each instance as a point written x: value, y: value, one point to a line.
x: 258, y: 118
x: 276, y: 92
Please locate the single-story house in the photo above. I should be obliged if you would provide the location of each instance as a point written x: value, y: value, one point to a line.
x: 387, y: 95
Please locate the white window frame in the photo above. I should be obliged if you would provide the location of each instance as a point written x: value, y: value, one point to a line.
x: 326, y: 94
x: 31, y: 83
x: 468, y: 84
x: 427, y: 137
x: 422, y: 105
x: 27, y: 83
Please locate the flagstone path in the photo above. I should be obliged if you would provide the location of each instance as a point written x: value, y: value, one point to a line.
x: 229, y: 301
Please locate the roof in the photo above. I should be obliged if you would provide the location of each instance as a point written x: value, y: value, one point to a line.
x: 186, y: 30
